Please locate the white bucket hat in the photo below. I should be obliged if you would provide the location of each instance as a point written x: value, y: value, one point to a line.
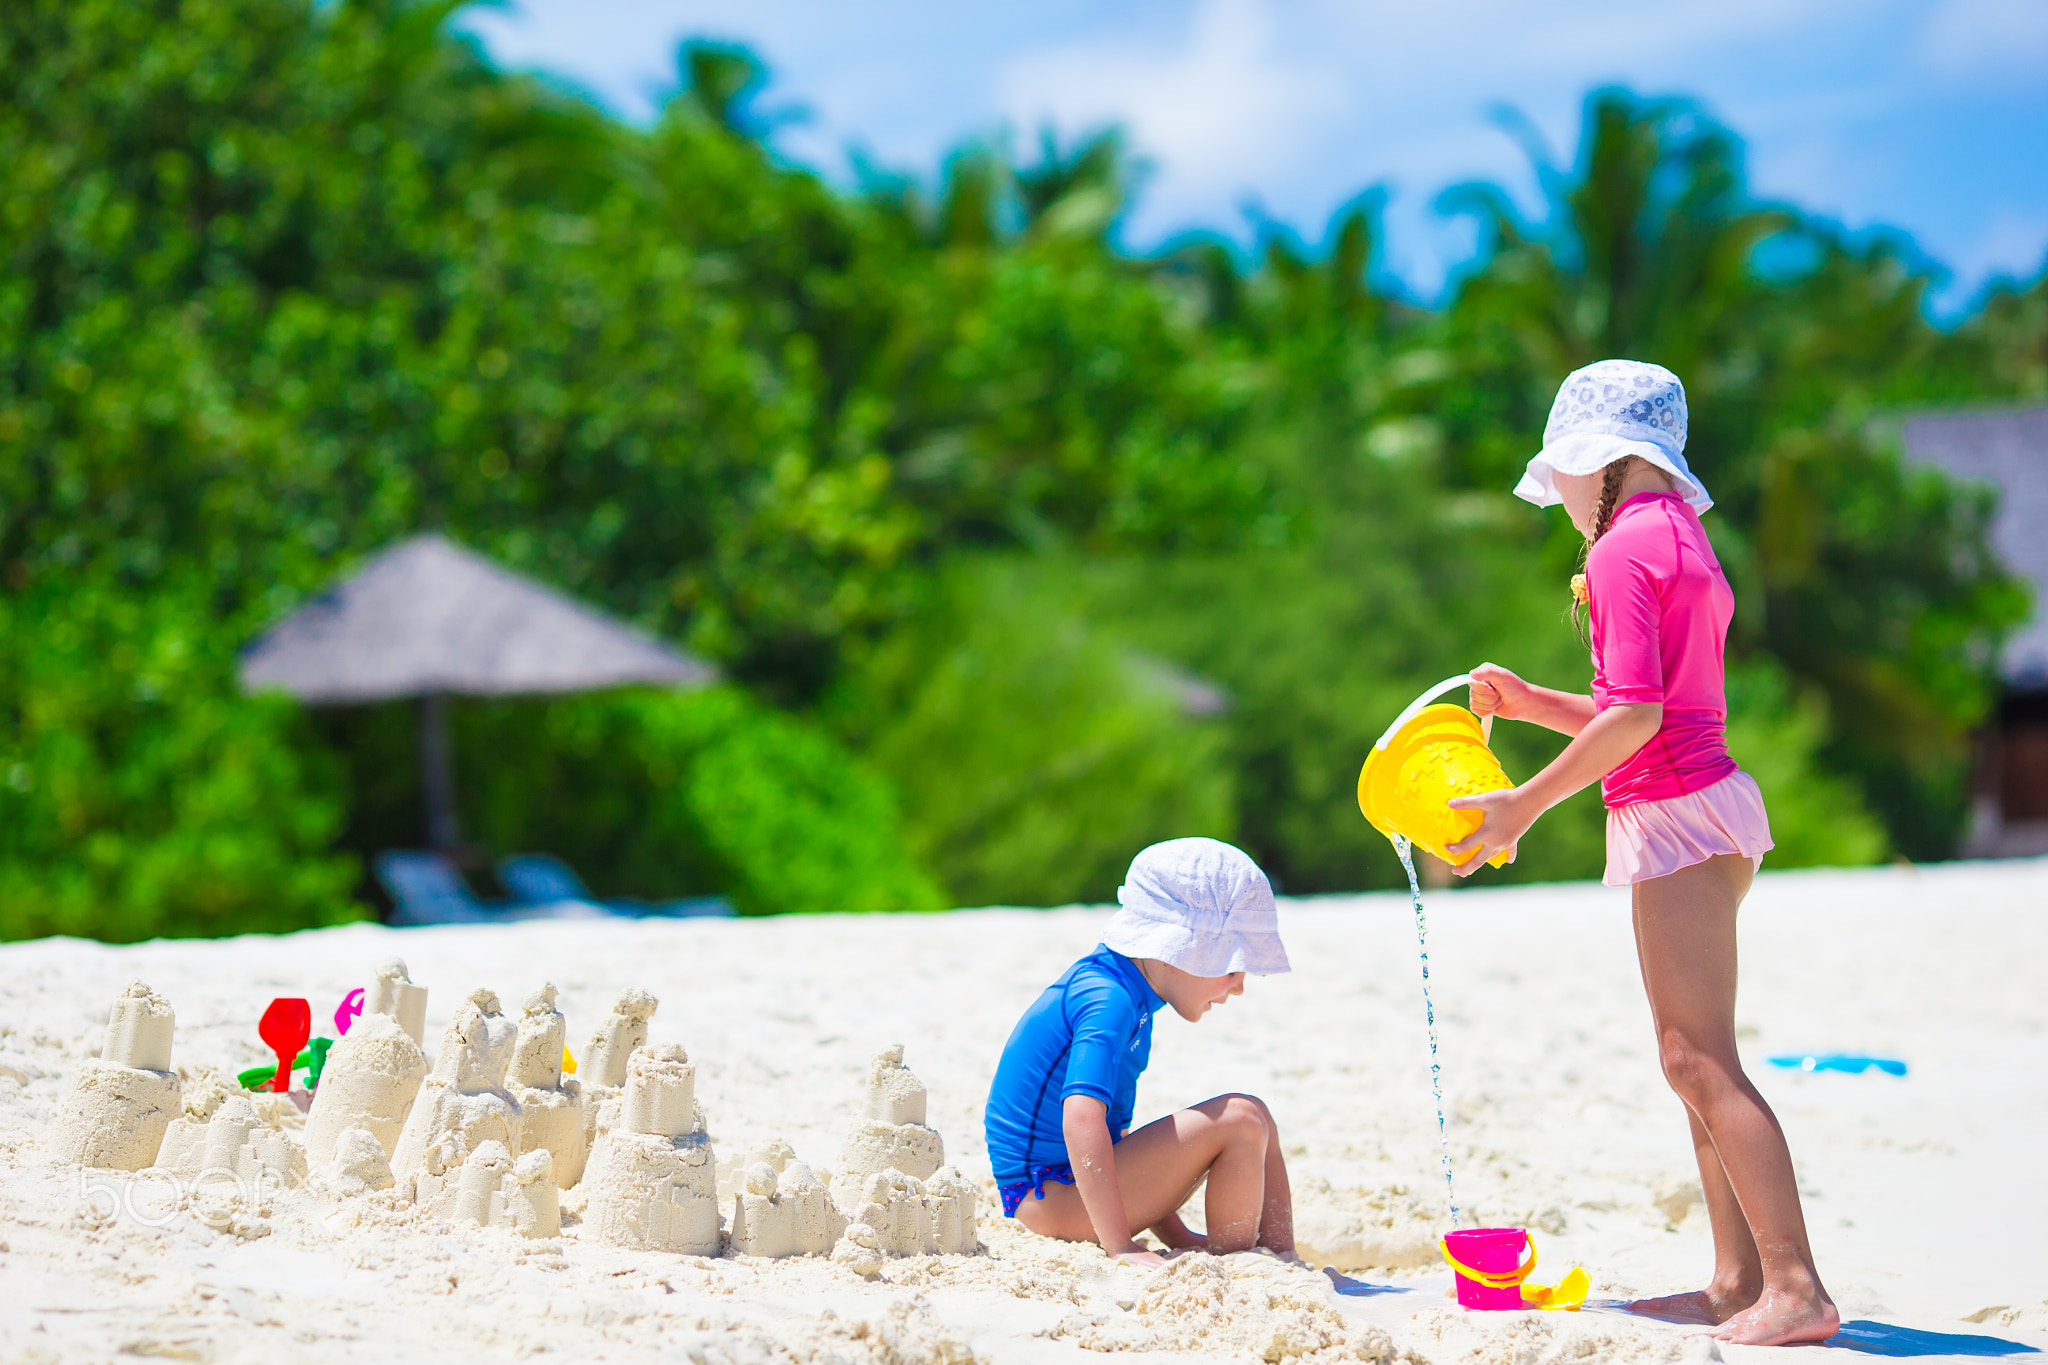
x: 1608, y: 410
x: 1199, y: 905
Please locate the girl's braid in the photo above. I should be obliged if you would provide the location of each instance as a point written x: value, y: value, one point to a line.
x: 1610, y: 493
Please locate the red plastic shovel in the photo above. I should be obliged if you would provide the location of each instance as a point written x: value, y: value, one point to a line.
x: 284, y: 1028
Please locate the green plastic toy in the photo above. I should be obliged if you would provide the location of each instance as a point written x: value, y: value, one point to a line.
x: 313, y: 1061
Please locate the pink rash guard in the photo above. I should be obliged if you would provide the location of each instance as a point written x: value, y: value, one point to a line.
x: 1660, y: 608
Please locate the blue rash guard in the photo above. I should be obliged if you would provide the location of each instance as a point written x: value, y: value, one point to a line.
x: 1089, y: 1033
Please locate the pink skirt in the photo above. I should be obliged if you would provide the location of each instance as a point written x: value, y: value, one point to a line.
x: 1657, y: 838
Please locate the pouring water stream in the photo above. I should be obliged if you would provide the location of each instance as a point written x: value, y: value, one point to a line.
x: 1405, y: 850
x: 1436, y: 1083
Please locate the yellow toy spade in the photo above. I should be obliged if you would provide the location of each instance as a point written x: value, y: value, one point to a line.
x: 1567, y: 1294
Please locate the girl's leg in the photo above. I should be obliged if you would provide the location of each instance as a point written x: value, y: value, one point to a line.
x: 1685, y: 933
x: 1230, y: 1139
x: 1738, y: 1274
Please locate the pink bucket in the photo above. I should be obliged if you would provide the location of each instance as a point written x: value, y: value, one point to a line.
x: 1491, y: 1265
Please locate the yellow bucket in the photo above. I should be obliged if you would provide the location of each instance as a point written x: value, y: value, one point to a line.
x: 1432, y: 755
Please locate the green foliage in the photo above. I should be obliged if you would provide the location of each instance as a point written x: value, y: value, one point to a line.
x: 662, y: 794
x: 285, y: 280
x: 140, y: 796
x: 1035, y: 754
x: 1817, y: 819
x: 651, y: 794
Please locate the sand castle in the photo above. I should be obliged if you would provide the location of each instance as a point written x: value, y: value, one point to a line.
x: 462, y: 1104
x: 618, y: 1035
x: 890, y: 1179
x: 494, y: 1191
x: 235, y: 1143
x: 550, y: 1105
x: 653, y: 1177
x: 123, y: 1101
x: 900, y: 1215
x: 891, y: 1134
x: 781, y: 1207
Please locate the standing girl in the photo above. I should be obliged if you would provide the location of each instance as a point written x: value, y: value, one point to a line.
x: 1686, y: 829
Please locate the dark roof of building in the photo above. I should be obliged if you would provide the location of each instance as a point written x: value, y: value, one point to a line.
x: 426, y: 615
x: 2008, y: 450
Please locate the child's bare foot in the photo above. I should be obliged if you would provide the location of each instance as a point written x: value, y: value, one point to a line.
x: 1781, y: 1318
x: 1711, y: 1306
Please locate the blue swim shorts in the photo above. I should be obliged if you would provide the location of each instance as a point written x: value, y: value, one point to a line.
x: 1034, y: 1184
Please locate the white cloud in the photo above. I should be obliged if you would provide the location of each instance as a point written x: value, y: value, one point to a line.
x: 1297, y: 105
x: 1221, y: 106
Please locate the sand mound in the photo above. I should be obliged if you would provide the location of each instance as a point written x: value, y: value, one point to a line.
x: 1550, y: 1339
x: 905, y: 1333
x: 1247, y: 1304
x: 1356, y: 1228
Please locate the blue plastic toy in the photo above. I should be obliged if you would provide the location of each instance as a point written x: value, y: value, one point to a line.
x: 1854, y: 1063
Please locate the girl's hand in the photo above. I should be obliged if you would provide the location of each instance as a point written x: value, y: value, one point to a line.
x: 1505, y: 816
x: 1497, y: 692
x: 1139, y: 1255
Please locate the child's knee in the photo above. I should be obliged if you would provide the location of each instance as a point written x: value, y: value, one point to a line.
x: 1691, y: 1070
x: 1247, y: 1119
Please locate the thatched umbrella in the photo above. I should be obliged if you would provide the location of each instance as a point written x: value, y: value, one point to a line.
x: 427, y: 618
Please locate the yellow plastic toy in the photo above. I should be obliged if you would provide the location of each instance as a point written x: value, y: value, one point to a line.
x: 1567, y: 1295
x: 568, y: 1062
x: 1427, y: 756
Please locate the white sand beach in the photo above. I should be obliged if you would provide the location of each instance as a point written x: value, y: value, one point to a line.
x: 1926, y: 1195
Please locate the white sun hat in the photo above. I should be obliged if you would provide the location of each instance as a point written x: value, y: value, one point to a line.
x: 1199, y: 905
x: 1611, y: 409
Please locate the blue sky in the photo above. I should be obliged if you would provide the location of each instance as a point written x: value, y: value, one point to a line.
x: 1927, y: 117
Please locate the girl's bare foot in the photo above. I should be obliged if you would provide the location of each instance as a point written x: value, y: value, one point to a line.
x: 1711, y: 1306
x: 1780, y: 1318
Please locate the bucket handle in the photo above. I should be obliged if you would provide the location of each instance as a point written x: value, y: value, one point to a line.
x: 1492, y: 1279
x: 1415, y: 709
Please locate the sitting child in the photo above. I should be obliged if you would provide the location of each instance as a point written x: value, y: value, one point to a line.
x: 1197, y: 915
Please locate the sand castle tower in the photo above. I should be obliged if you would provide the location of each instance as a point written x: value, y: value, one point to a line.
x: 732, y: 1175
x: 494, y: 1191
x: 392, y: 994
x: 372, y: 1077
x: 891, y: 1134
x: 122, y: 1101
x: 550, y: 1105
x: 463, y: 1103
x: 653, y: 1177
x: 235, y: 1143
x: 953, y: 1203
x: 604, y: 1059
x: 373, y: 1072
x: 780, y: 1207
